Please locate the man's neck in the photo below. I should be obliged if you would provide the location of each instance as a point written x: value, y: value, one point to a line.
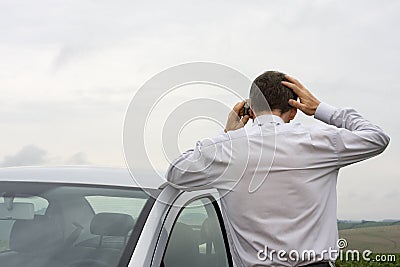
x: 275, y: 112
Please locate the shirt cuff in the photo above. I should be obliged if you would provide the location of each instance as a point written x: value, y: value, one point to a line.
x: 324, y: 112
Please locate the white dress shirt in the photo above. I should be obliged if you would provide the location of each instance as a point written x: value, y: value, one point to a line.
x: 278, y: 182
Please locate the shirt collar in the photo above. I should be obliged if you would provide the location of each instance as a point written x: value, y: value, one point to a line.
x: 267, y: 118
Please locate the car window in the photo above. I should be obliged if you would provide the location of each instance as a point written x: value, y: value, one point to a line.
x: 125, y: 205
x: 197, y: 238
x: 71, y: 225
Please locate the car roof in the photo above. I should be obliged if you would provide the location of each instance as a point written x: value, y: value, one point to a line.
x: 113, y: 176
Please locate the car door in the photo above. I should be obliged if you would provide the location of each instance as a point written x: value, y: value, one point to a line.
x: 193, y: 234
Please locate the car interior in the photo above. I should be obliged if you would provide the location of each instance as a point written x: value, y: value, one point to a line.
x: 196, y: 240
x: 69, y: 230
x: 55, y: 225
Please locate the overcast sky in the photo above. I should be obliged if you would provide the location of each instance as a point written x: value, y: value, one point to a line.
x: 68, y: 70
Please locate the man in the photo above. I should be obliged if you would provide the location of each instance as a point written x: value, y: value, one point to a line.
x: 278, y: 179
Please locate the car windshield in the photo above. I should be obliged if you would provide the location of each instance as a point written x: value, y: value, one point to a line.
x: 43, y: 225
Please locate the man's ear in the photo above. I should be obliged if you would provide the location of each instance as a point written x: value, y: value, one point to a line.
x: 293, y: 112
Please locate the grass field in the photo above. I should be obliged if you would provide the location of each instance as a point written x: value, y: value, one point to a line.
x: 383, y: 241
x: 342, y: 225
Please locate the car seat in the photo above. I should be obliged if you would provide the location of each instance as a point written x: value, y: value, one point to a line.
x: 33, y: 243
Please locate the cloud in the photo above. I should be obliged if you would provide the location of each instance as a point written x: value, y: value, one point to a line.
x: 29, y: 155
x: 78, y: 64
x: 77, y: 159
x: 67, y: 54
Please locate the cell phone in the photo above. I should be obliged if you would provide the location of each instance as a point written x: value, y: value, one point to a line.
x: 246, y: 108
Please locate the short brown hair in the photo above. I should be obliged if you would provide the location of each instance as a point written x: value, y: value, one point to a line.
x: 268, y: 87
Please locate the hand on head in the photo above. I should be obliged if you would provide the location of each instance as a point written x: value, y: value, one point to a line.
x: 308, y: 103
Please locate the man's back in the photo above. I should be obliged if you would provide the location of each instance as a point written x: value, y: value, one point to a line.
x: 278, y: 183
x: 293, y: 200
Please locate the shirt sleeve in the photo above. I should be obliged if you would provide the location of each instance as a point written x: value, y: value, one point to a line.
x: 192, y: 169
x: 355, y: 138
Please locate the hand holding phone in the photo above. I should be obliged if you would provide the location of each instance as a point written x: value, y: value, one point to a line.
x: 237, y: 118
x: 246, y: 108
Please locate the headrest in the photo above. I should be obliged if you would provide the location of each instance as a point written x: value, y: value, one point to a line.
x: 111, y: 224
x: 34, y: 235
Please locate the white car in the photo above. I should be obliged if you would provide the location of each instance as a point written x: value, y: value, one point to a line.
x: 99, y: 217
